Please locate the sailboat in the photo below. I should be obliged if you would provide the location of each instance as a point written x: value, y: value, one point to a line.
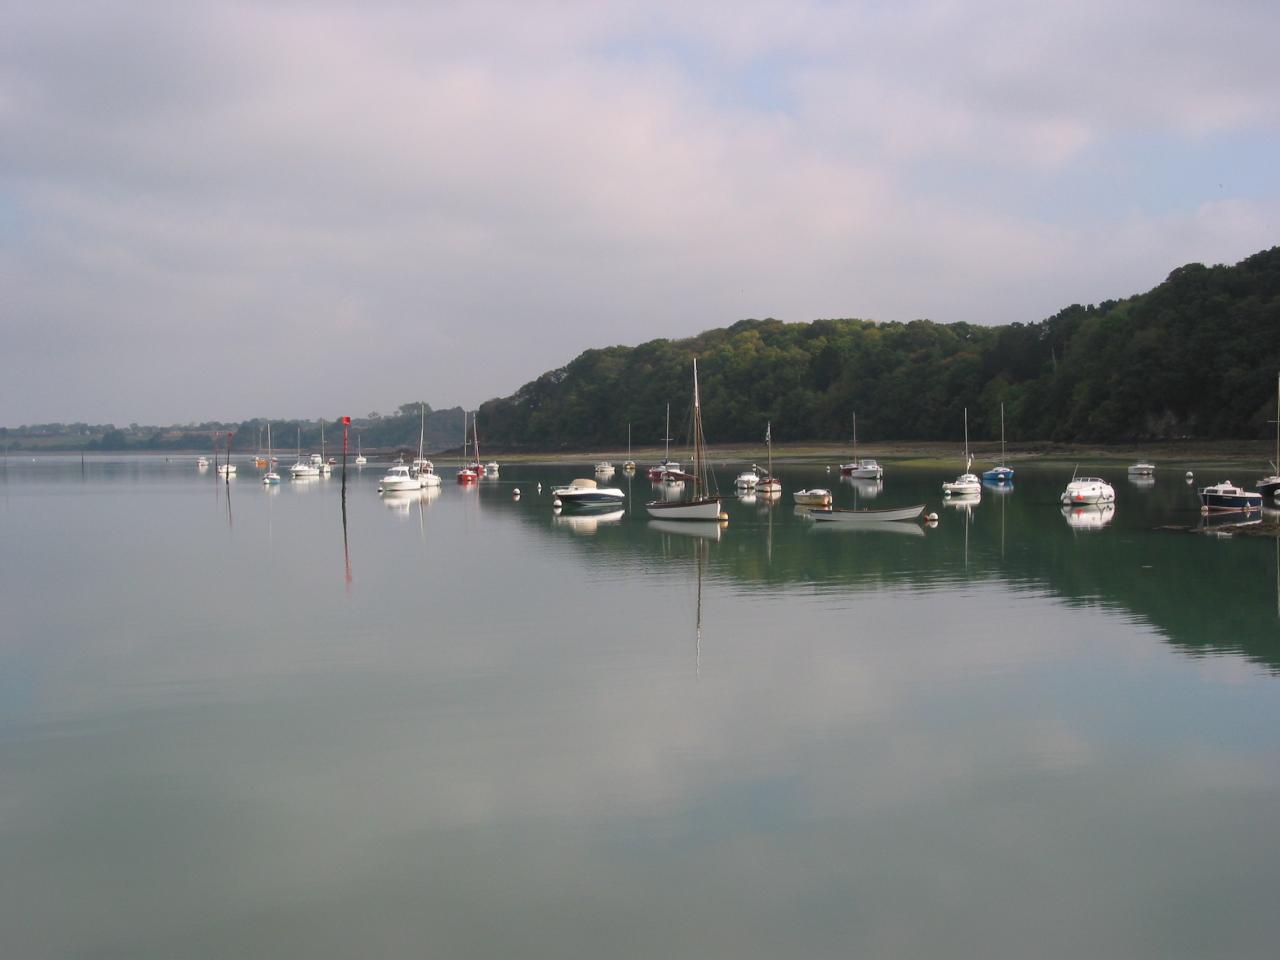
x: 361, y: 459
x: 423, y: 468
x: 865, y: 469
x: 303, y: 469
x: 768, y: 485
x: 324, y: 465
x: 270, y: 476
x: 629, y: 465
x: 704, y: 505
x: 467, y: 473
x: 1270, y: 486
x: 667, y: 465
x: 1002, y: 473
x: 967, y: 484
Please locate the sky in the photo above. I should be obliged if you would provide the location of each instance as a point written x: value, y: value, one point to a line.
x: 227, y: 210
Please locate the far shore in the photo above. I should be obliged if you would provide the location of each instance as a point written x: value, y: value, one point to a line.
x: 1248, y: 454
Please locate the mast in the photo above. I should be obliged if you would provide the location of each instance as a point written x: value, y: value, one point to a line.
x: 475, y: 436
x: 967, y: 459
x: 666, y: 457
x: 1276, y: 466
x: 1002, y: 433
x: 768, y: 439
x: 698, y: 466
x: 422, y: 431
x: 322, y: 439
x: 855, y: 437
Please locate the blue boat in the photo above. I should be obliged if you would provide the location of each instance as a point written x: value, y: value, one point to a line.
x: 1227, y: 497
x: 1001, y: 473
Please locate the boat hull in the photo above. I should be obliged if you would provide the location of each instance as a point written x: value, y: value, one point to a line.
x: 841, y: 515
x: 998, y: 475
x: 1239, y: 501
x: 707, y: 508
x: 591, y: 498
x: 1268, y: 487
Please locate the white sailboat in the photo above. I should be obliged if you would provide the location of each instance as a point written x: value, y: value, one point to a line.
x: 967, y: 484
x: 865, y: 469
x: 361, y: 459
x: 768, y: 485
x: 667, y: 466
x: 704, y: 505
x: 629, y: 465
x: 270, y: 476
x: 303, y: 469
x: 1002, y: 473
x: 1270, y: 486
x: 324, y: 466
x: 467, y: 473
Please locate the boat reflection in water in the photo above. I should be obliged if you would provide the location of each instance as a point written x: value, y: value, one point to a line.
x: 587, y: 523
x: 702, y: 529
x: 402, y: 501
x: 1142, y: 481
x: 1089, y: 516
x: 874, y: 526
x: 962, y: 501
x: 866, y: 489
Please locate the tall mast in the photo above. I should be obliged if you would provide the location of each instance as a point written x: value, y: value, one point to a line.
x: 422, y: 431
x: 699, y: 468
x: 967, y: 459
x: 855, y: 437
x: 1002, y: 434
x: 667, y: 456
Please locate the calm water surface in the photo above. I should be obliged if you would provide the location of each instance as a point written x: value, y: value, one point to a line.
x: 466, y: 727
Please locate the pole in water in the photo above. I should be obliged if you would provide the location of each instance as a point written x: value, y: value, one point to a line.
x: 346, y: 426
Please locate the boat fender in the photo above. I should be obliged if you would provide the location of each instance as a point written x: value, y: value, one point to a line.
x: 932, y: 518
x: 515, y: 494
x: 723, y: 515
x: 556, y: 503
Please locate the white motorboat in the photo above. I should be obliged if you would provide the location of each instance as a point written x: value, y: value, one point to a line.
x: 864, y: 469
x: 399, y: 479
x: 704, y: 505
x: 967, y: 484
x: 226, y: 469
x: 586, y: 493
x: 747, y: 479
x: 604, y: 469
x: 817, y: 497
x: 1084, y: 490
x: 868, y: 516
x: 304, y: 469
x: 202, y: 463
x: 1142, y: 469
x: 491, y: 468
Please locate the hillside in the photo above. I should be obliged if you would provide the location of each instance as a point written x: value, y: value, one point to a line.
x: 1195, y: 357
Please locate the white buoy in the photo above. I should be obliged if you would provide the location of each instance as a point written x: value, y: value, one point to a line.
x: 539, y: 488
x: 723, y: 515
x: 1190, y: 475
x: 556, y: 503
x: 515, y: 494
x: 932, y: 518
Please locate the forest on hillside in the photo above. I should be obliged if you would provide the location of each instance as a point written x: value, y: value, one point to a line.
x: 1197, y: 357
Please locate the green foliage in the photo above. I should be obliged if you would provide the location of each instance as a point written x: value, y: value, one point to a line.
x: 1197, y: 356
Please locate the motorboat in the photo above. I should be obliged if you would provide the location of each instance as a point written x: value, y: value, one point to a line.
x: 491, y: 468
x: 1085, y: 490
x: 226, y: 469
x: 399, y: 478
x: 817, y: 497
x: 303, y: 470
x: 202, y: 463
x: 862, y: 469
x: 586, y: 493
x: 1142, y: 469
x: 1227, y: 497
x: 604, y: 469
x: 704, y: 505
x: 747, y: 479
x: 868, y: 516
x: 967, y: 484
x: 1001, y: 472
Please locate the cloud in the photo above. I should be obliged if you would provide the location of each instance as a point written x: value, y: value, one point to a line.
x: 460, y: 197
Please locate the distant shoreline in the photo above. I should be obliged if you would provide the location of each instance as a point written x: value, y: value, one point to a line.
x: 1248, y: 454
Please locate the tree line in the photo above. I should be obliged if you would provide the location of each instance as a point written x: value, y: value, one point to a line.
x: 1197, y: 356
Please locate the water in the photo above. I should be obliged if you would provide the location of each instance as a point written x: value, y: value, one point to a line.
x: 470, y: 728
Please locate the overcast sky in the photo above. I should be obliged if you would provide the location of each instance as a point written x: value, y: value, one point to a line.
x: 227, y: 210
